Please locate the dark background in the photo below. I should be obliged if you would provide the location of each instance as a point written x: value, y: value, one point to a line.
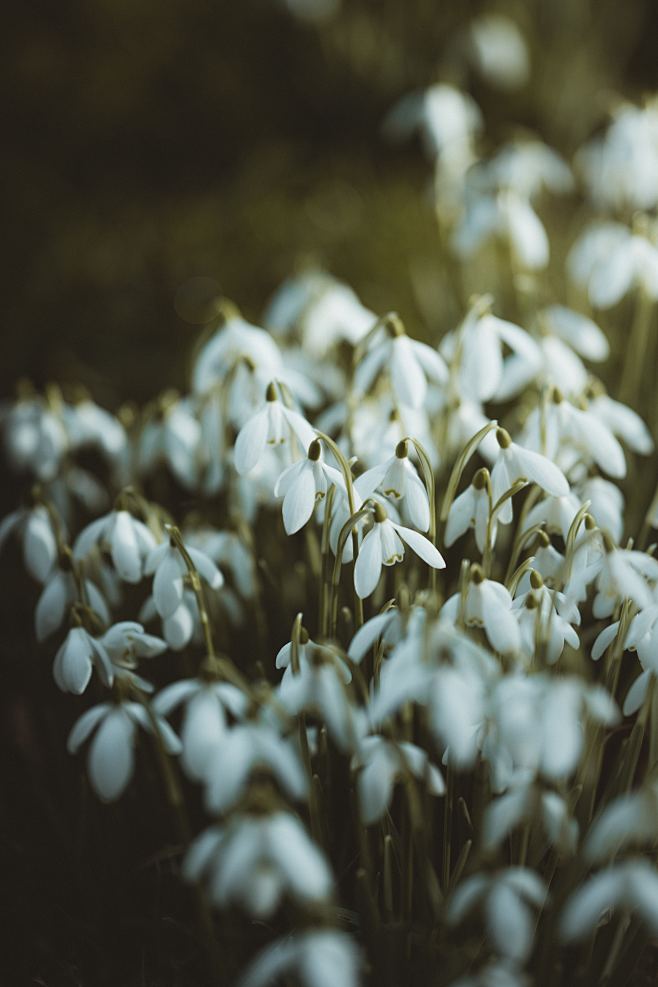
x: 147, y: 143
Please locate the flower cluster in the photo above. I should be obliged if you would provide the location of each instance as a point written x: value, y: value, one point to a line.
x: 414, y: 623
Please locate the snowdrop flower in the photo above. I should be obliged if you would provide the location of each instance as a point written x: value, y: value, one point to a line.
x: 319, y: 688
x: 565, y: 427
x: 488, y: 605
x: 407, y: 362
x: 606, y: 504
x: 631, y: 885
x: 514, y: 463
x: 35, y: 438
x: 173, y: 436
x: 478, y: 347
x: 537, y: 724
x: 181, y: 626
x: 303, y: 485
x: 642, y: 637
x: 127, y: 642
x: 205, y: 718
x: 75, y: 661
x: 629, y: 820
x: 383, y: 545
x: 499, y: 51
x: 623, y: 422
x: 609, y: 260
x: 507, y: 898
x: 623, y: 575
x: 397, y: 478
x: 243, y: 749
x: 128, y: 541
x: 308, y: 652
x: 228, y: 551
x: 529, y: 167
x: 244, y: 358
x: 447, y: 118
x: 508, y: 217
x: 168, y: 567
x: 273, y: 424
x: 621, y: 168
x: 88, y: 424
x: 526, y: 802
x: 254, y: 860
x: 319, y: 958
x: 546, y: 615
x: 111, y: 760
x: 577, y: 330
x: 59, y: 593
x: 471, y: 509
x: 380, y: 763
x: 324, y: 310
x: 34, y: 527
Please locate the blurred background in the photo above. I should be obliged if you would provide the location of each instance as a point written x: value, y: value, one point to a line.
x: 147, y: 144
x: 153, y: 155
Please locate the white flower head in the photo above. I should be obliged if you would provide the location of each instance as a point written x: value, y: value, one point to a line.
x: 273, y: 424
x: 304, y: 484
x: 128, y: 541
x: 34, y: 527
x: 75, y: 661
x: 398, y: 478
x: 384, y: 545
x: 169, y: 568
x: 256, y: 859
x: 408, y: 363
x: 111, y: 754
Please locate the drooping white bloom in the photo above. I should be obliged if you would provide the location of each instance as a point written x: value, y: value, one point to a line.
x: 631, y: 885
x: 608, y: 260
x: 254, y: 860
x: 244, y: 359
x: 384, y: 545
x: 381, y: 763
x: 407, y: 362
x: 396, y: 477
x: 87, y: 424
x: 484, y: 373
x: 128, y: 541
x: 127, y: 642
x: 319, y: 688
x: 526, y: 802
x: 205, y: 718
x: 240, y: 751
x: 514, y: 463
x: 448, y: 119
x: 629, y: 820
x: 35, y: 438
x: 169, y: 569
x: 536, y: 725
x: 508, y: 898
x: 621, y: 167
x: 499, y: 50
x: 577, y: 330
x: 322, y: 309
x: 319, y: 957
x: 545, y: 618
x: 34, y: 528
x: 508, y: 217
x: 59, y: 593
x: 75, y: 661
x: 304, y: 484
x: 623, y: 575
x: 488, y: 604
x: 623, y: 422
x: 111, y: 755
x: 274, y: 423
x: 471, y: 509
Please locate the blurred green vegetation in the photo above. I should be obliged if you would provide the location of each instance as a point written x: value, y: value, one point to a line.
x: 149, y: 143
